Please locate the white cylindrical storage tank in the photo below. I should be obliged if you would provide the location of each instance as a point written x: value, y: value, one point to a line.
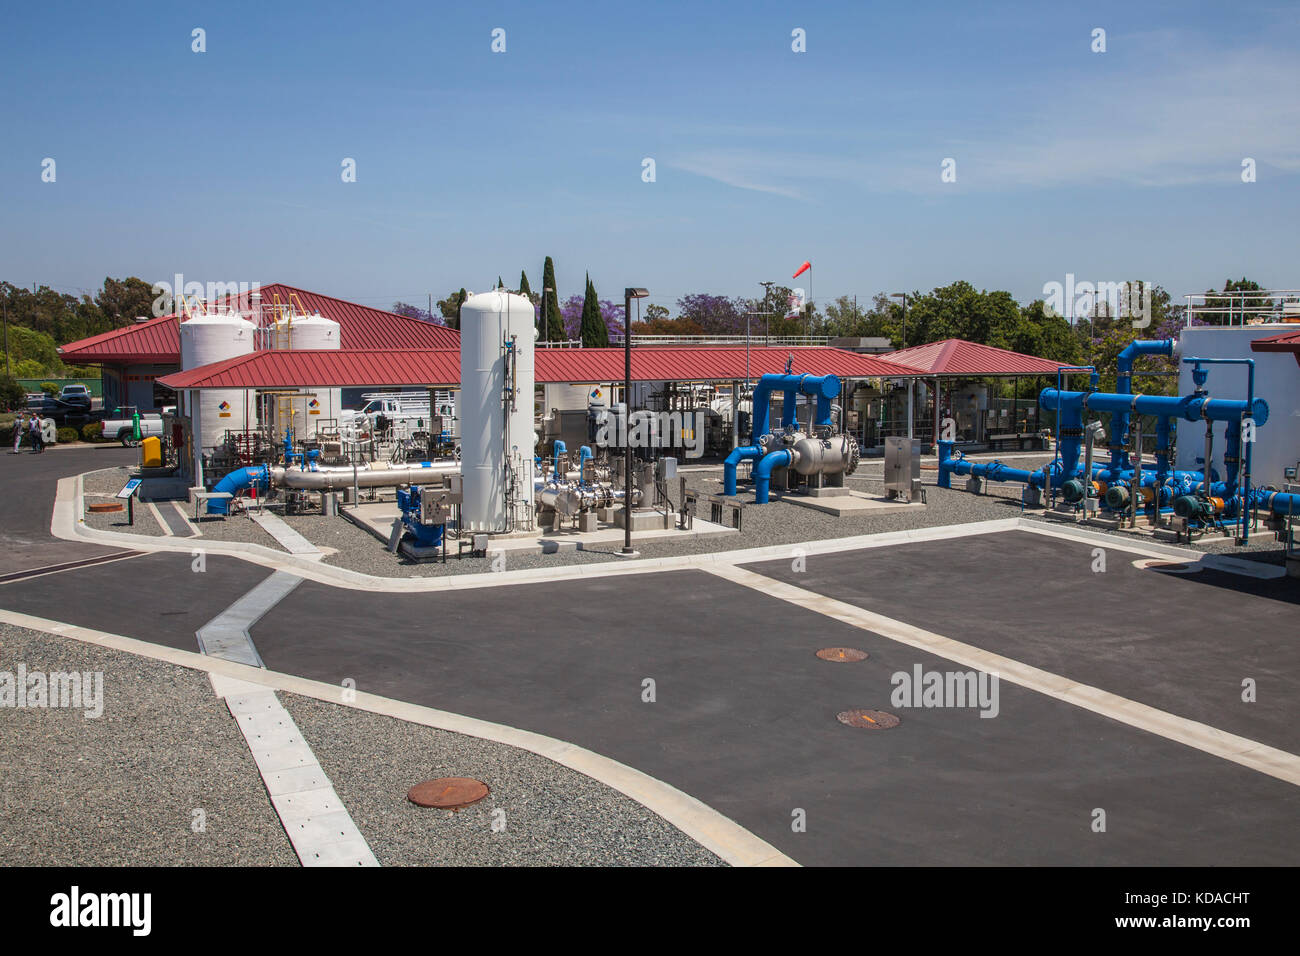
x: 323, y: 404
x: 496, y: 411
x: 212, y: 338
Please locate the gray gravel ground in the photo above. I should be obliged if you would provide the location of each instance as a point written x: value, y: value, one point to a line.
x: 237, y: 527
x: 553, y: 816
x: 145, y: 522
x: 120, y: 790
x: 106, y: 481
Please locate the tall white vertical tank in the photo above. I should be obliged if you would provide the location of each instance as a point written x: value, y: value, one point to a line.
x: 309, y: 332
x: 209, y: 338
x: 496, y: 431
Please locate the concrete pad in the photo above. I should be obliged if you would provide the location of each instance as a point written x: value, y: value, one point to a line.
x: 289, y: 539
x: 854, y: 503
x: 378, y: 520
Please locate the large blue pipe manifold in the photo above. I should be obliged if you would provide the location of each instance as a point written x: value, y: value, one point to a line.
x: 1161, y: 486
x: 822, y: 387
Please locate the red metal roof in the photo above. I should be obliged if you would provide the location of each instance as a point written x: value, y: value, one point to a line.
x: 959, y: 357
x: 348, y: 368
x: 1283, y: 342
x: 360, y: 327
x: 155, y: 341
x: 707, y: 364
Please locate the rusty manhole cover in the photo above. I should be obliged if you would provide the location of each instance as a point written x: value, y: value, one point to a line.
x: 842, y: 655
x: 448, y: 793
x: 868, y: 719
x: 101, y: 509
x: 1168, y: 567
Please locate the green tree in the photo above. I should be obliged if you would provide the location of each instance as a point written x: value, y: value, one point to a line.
x: 121, y: 302
x: 553, y: 322
x: 1237, y: 309
x: 593, y: 332
x: 450, y: 307
x: 524, y: 289
x: 11, y: 393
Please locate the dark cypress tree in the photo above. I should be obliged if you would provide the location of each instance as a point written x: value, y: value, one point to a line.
x: 554, y: 322
x: 500, y: 284
x: 461, y: 296
x: 594, y: 334
x: 524, y: 290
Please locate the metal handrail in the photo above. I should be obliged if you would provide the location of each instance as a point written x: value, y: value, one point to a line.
x: 1239, y: 305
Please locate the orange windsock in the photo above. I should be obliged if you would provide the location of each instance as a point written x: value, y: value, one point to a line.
x: 802, y: 269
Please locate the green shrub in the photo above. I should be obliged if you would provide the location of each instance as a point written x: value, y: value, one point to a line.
x: 29, y: 368
x: 11, y: 394
x: 6, y: 436
x: 94, y: 431
x: 50, y: 389
x: 66, y: 436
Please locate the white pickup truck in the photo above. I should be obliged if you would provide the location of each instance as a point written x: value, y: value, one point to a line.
x: 119, y: 425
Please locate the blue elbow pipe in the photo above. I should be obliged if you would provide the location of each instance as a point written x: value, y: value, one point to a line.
x: 763, y: 472
x: 1124, y: 386
x: 743, y: 453
x: 559, y: 449
x: 822, y: 387
x: 235, y: 482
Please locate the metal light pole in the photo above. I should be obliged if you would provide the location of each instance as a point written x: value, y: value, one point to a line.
x: 628, y: 295
x: 767, y: 310
x: 911, y: 382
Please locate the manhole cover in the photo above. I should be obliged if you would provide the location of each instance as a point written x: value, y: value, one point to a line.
x: 868, y: 719
x: 842, y: 655
x: 101, y: 509
x: 448, y: 793
x: 1168, y: 567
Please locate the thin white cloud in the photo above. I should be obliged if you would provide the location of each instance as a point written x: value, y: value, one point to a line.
x: 743, y: 169
x: 1189, y: 117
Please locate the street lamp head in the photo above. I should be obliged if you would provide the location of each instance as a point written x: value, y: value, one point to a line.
x: 635, y: 293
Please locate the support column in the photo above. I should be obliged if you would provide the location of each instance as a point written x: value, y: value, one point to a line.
x: 935, y: 436
x: 911, y: 414
x: 735, y: 415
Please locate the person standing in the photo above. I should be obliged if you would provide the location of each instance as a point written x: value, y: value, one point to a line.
x: 20, y: 426
x: 38, y: 436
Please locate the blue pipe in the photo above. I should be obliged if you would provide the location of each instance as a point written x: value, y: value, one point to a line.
x: 952, y: 463
x: 559, y: 449
x: 1124, y: 386
x: 824, y: 387
x: 763, y: 472
x: 585, y: 454
x: 1192, y: 408
x: 235, y: 482
x: 739, y: 454
x: 1234, y: 447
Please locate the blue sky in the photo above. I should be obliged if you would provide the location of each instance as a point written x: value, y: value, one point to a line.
x: 225, y: 165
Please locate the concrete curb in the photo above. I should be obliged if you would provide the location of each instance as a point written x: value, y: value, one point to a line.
x: 715, y: 832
